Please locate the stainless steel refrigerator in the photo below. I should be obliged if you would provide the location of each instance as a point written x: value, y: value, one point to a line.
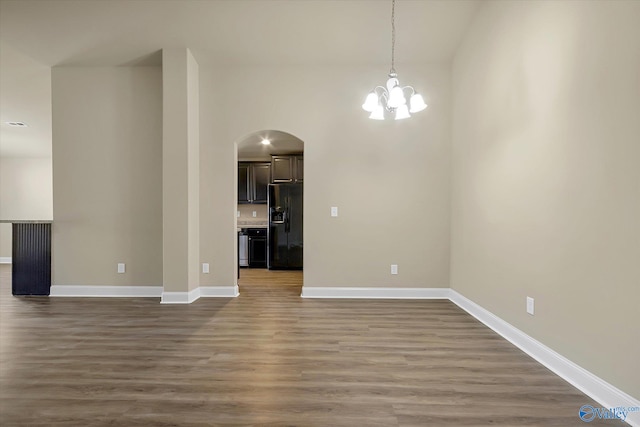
x: 285, y: 226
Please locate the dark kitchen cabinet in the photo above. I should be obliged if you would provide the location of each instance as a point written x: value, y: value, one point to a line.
x: 257, y: 247
x: 287, y: 169
x: 299, y: 161
x: 261, y: 178
x: 253, y: 178
x: 243, y: 183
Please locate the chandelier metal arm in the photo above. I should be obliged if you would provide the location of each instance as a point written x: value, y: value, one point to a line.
x: 413, y: 91
x: 383, y: 96
x: 382, y: 89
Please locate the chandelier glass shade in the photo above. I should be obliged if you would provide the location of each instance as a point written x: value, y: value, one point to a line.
x: 392, y: 97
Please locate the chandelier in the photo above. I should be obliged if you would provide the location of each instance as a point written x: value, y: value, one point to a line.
x: 392, y: 97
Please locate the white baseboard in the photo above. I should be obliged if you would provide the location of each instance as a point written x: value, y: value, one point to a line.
x: 201, y: 292
x: 5, y: 260
x: 591, y: 385
x: 219, y: 291
x: 180, y: 297
x: 382, y: 293
x: 144, y: 291
x: 105, y: 291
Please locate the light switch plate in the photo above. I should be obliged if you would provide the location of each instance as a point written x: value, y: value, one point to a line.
x: 334, y: 211
x: 255, y: 214
x: 121, y: 267
x: 205, y: 267
x: 530, y: 305
x: 394, y: 268
x: 238, y: 214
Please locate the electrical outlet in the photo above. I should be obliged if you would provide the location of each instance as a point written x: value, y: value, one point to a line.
x: 530, y: 305
x: 255, y: 214
x: 334, y: 211
x: 238, y: 214
x: 121, y: 267
x: 394, y: 268
x: 205, y: 267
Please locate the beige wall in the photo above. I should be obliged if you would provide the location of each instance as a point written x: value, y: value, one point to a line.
x: 546, y: 182
x: 5, y: 240
x: 25, y: 193
x: 25, y: 85
x: 390, y: 180
x: 107, y: 175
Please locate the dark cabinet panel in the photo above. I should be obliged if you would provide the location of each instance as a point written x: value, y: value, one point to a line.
x: 287, y: 169
x: 299, y: 161
x: 257, y: 252
x: 261, y: 178
x: 243, y: 183
x: 257, y: 247
x: 253, y: 178
x: 282, y: 169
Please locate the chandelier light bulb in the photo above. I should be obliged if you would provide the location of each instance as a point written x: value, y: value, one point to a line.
x: 378, y: 113
x: 396, y: 98
x: 402, y: 112
x: 371, y: 103
x: 416, y: 103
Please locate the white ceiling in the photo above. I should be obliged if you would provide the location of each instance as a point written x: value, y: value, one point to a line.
x: 47, y: 33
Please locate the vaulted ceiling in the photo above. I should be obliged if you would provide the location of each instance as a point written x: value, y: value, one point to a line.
x: 38, y: 34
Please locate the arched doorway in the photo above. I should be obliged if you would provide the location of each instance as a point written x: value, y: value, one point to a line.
x: 269, y: 210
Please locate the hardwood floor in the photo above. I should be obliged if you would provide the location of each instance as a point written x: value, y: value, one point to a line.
x: 266, y: 358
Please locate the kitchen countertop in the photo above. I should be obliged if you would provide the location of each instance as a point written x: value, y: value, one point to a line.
x: 249, y: 224
x: 28, y: 221
x: 252, y: 224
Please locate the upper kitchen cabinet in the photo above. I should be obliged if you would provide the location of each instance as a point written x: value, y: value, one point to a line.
x: 299, y: 161
x: 260, y: 178
x: 287, y: 169
x: 243, y: 183
x: 253, y: 178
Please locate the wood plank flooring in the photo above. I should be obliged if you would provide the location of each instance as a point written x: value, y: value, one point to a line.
x: 266, y: 358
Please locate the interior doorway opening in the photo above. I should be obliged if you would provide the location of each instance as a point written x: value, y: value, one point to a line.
x: 270, y: 206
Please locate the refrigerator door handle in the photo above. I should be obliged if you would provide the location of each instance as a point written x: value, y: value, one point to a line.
x: 287, y: 227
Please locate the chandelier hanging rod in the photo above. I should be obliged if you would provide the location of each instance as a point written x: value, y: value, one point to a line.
x: 393, y: 37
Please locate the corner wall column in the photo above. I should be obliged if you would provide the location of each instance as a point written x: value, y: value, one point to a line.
x: 180, y: 176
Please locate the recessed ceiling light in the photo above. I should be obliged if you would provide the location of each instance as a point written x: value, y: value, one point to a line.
x: 17, y: 124
x: 265, y: 141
